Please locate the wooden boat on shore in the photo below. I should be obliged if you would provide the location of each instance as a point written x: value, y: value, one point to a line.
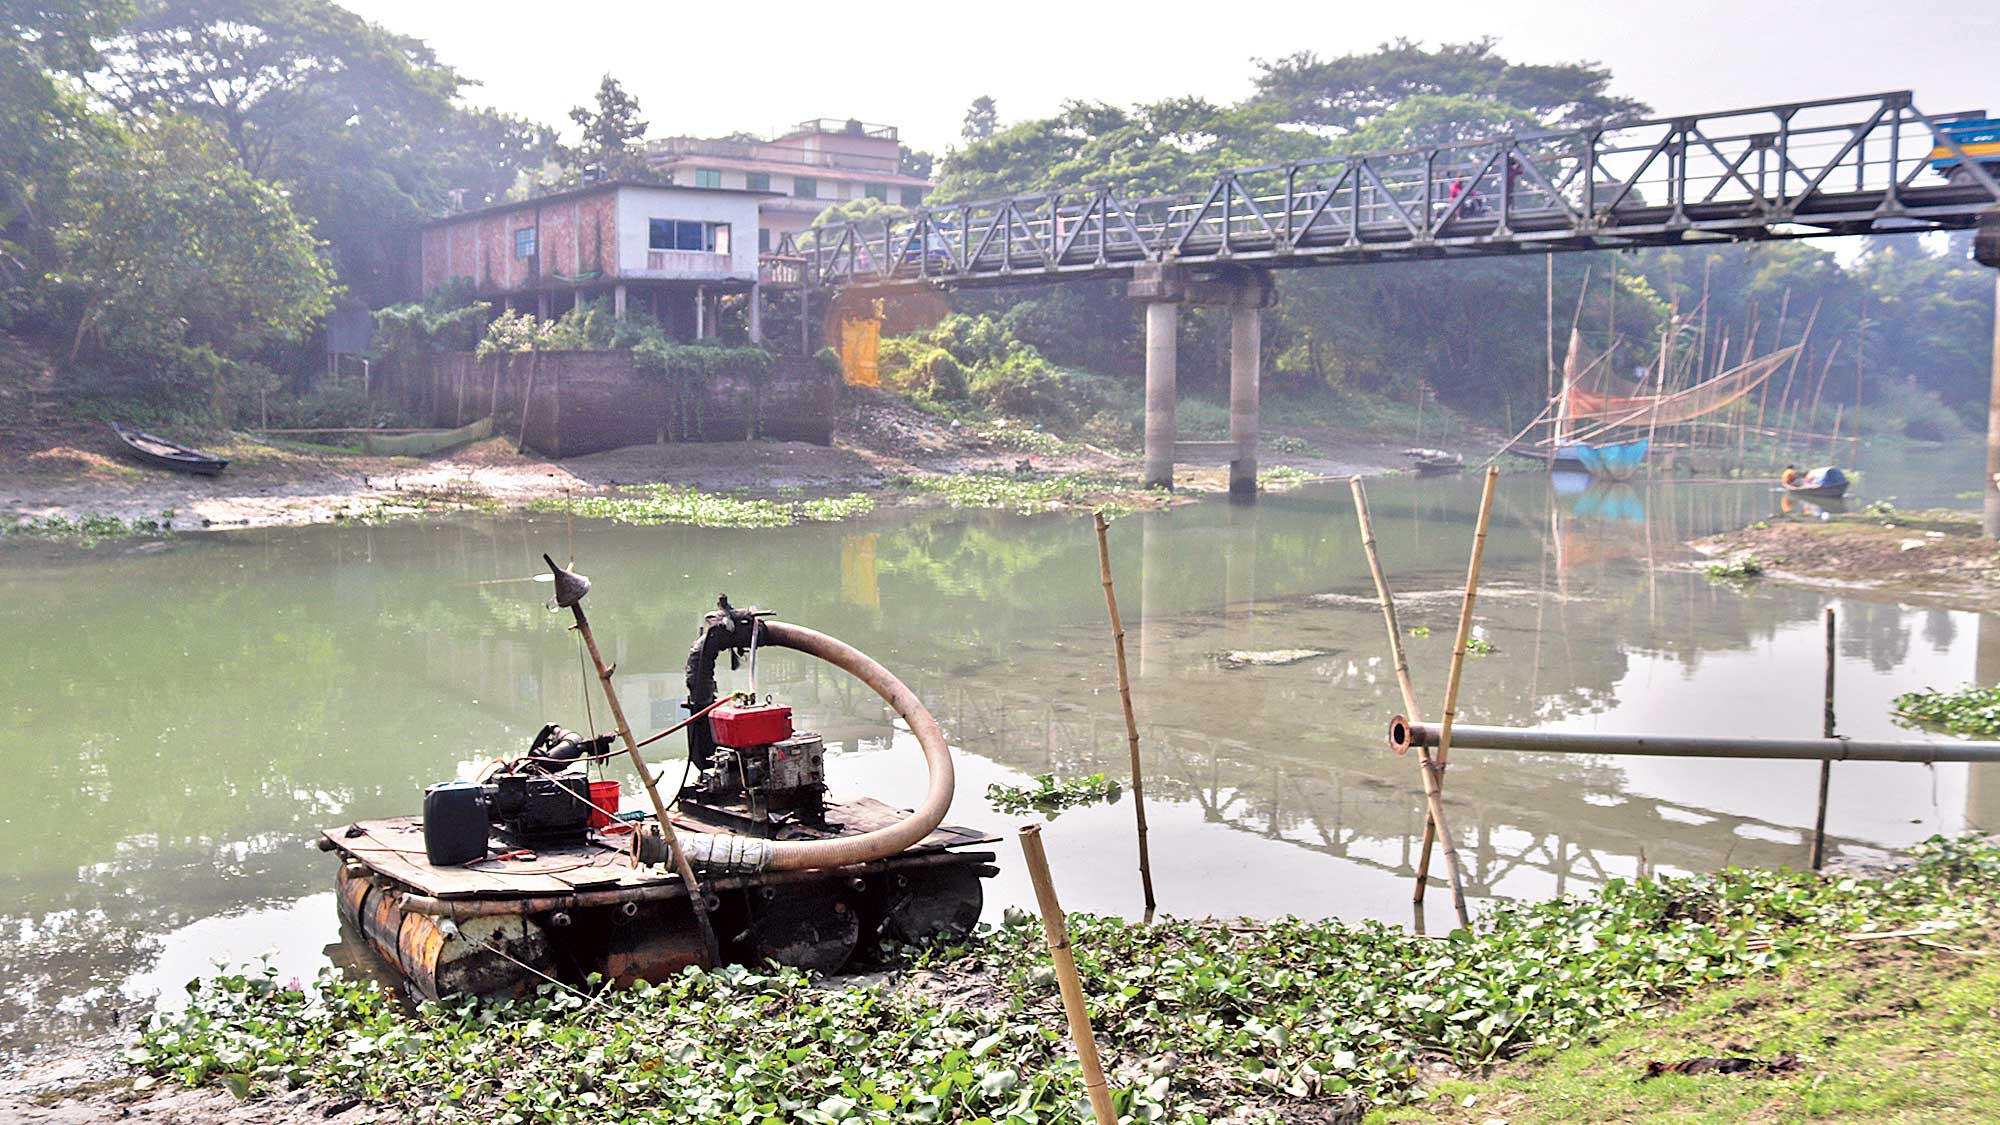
x: 423, y: 443
x: 163, y: 454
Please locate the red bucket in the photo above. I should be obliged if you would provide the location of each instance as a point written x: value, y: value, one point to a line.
x: 603, y: 803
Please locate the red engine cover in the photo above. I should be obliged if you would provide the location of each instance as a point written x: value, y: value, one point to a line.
x: 739, y: 726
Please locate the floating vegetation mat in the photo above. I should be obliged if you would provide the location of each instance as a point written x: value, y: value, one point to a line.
x: 666, y: 503
x: 1199, y: 1022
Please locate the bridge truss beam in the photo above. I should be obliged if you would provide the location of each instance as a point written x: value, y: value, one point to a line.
x: 1864, y: 165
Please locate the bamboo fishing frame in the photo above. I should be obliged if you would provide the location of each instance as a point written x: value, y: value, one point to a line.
x: 1056, y: 928
x: 1125, y: 702
x: 1434, y: 822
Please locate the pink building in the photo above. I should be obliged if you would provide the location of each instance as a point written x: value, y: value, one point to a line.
x: 816, y: 164
x: 674, y: 251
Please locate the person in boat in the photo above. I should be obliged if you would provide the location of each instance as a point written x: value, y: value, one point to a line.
x: 1790, y: 477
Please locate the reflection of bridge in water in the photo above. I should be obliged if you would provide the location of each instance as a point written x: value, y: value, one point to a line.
x: 1563, y: 818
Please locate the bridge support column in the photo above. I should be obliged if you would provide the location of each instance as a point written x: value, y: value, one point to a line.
x: 1986, y: 249
x: 1163, y: 330
x: 1162, y: 286
x: 1246, y: 342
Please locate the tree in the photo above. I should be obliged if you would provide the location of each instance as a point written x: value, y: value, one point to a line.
x: 610, y: 133
x: 347, y: 116
x: 1343, y: 94
x: 44, y: 122
x: 982, y: 120
x: 189, y: 265
x: 275, y: 76
x: 915, y: 162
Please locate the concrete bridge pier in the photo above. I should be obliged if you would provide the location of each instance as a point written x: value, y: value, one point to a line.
x: 1163, y: 329
x: 1246, y: 343
x: 1164, y: 287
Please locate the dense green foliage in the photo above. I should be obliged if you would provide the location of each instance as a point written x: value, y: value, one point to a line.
x: 1970, y: 710
x: 188, y: 266
x: 1200, y: 1020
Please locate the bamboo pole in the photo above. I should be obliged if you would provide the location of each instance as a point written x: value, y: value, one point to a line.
x: 1435, y: 827
x: 570, y: 593
x: 1825, y: 767
x: 1057, y: 930
x: 1458, y: 646
x: 1125, y: 702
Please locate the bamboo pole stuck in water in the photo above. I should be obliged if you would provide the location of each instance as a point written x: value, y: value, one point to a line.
x: 1057, y: 930
x: 1825, y: 767
x: 1435, y: 827
x: 570, y: 589
x: 1458, y: 658
x: 1125, y: 702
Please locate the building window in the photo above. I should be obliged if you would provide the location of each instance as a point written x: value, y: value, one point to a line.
x: 763, y: 240
x: 913, y: 197
x: 757, y: 181
x: 524, y: 242
x: 707, y: 177
x: 684, y: 234
x: 876, y: 191
x: 805, y: 187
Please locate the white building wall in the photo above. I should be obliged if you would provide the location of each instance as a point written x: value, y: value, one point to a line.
x: 637, y: 206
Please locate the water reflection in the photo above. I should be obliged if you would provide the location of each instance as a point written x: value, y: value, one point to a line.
x: 183, y: 720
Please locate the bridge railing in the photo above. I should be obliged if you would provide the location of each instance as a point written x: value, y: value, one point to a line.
x: 1850, y: 165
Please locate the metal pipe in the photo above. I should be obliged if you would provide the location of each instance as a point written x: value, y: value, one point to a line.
x: 1404, y: 734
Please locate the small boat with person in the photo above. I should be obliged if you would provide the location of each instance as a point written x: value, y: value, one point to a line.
x: 1824, y: 483
x: 163, y: 454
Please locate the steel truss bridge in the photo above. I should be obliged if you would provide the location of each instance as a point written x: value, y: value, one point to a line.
x: 1861, y: 165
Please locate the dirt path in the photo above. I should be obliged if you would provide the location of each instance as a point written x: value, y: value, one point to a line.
x: 70, y: 470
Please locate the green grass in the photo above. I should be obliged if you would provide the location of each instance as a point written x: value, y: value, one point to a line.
x: 665, y: 503
x: 1886, y: 1035
x: 1202, y: 1021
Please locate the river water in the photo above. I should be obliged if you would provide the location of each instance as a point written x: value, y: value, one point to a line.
x: 185, y: 716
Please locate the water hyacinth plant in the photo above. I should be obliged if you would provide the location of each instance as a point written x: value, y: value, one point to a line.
x: 665, y: 503
x: 1200, y: 1021
x: 1969, y: 710
x: 1050, y: 795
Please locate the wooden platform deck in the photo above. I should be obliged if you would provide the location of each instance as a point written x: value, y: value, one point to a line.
x: 394, y: 849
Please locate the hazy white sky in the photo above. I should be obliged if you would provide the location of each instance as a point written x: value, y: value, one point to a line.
x: 709, y: 69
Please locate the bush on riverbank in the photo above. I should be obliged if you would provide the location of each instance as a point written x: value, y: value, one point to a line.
x: 1199, y: 1020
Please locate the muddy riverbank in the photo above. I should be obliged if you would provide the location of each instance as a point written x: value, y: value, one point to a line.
x: 71, y: 470
x: 1928, y: 557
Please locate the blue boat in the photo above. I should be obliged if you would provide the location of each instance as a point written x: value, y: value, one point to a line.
x: 1609, y: 461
